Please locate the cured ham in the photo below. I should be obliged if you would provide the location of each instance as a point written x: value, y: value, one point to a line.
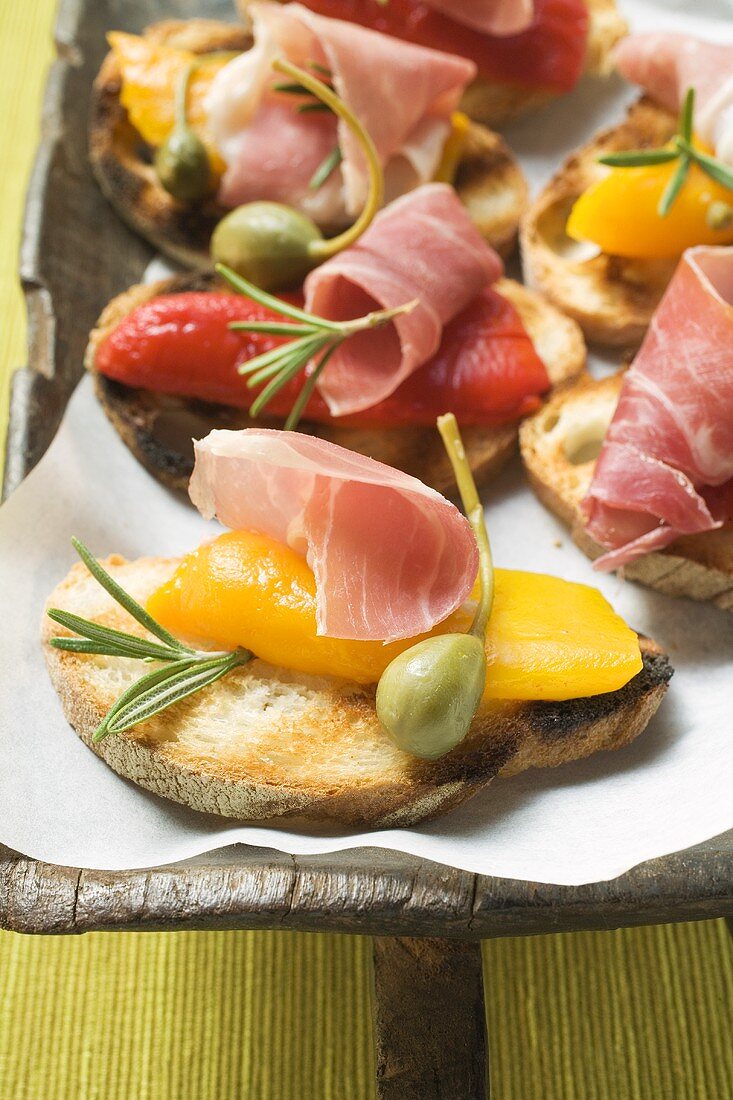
x: 499, y: 17
x: 666, y: 65
x: 666, y: 466
x: 402, y: 94
x: 549, y: 53
x: 391, y: 557
x: 486, y: 370
x: 422, y: 247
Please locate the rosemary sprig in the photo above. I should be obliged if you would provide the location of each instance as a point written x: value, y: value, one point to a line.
x: 316, y: 341
x: 320, y: 249
x: 311, y: 105
x: 183, y: 672
x: 682, y: 150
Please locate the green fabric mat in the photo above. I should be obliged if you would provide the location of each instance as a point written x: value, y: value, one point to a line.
x: 644, y: 1014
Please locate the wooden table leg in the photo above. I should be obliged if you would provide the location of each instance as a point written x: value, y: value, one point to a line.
x: 429, y: 1020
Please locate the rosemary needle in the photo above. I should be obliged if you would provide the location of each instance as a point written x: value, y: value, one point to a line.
x: 182, y: 670
x: 325, y: 168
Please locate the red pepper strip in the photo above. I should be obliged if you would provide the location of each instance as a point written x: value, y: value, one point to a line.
x: 486, y: 370
x: 548, y: 54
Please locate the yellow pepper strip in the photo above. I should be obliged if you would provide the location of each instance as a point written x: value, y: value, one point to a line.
x: 150, y: 76
x: 619, y: 212
x: 547, y: 638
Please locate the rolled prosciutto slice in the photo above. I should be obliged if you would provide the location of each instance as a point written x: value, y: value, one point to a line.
x: 391, y: 557
x: 423, y: 246
x: 499, y: 17
x: 666, y: 466
x: 666, y: 65
x: 402, y: 94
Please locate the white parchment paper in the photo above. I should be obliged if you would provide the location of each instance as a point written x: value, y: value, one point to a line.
x: 579, y: 823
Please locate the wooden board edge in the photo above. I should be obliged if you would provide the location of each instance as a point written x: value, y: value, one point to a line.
x: 366, y: 891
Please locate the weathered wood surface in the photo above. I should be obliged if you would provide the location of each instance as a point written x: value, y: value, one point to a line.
x: 365, y: 891
x: 429, y: 1019
x: 75, y: 255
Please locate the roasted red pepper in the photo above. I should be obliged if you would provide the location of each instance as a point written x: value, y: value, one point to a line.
x: 548, y: 54
x: 486, y: 370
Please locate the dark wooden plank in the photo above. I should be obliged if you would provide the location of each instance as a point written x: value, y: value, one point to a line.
x: 429, y: 1019
x: 364, y: 891
x: 75, y: 255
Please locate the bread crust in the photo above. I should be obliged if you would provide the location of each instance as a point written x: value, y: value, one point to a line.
x: 612, y: 298
x: 697, y: 566
x: 488, y: 179
x: 158, y: 429
x: 264, y: 743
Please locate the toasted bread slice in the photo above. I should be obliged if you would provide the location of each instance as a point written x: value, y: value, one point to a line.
x: 158, y: 429
x: 559, y: 445
x: 488, y: 179
x: 264, y: 742
x: 493, y: 103
x: 611, y: 298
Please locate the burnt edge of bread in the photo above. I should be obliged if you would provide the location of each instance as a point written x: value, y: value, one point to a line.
x: 556, y: 721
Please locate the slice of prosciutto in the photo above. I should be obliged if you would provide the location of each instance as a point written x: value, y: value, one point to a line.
x: 666, y: 65
x: 498, y: 17
x: 666, y: 465
x: 390, y: 556
x: 401, y: 93
x: 423, y: 246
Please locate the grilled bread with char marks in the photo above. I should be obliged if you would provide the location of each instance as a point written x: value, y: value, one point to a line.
x: 265, y: 742
x: 158, y: 429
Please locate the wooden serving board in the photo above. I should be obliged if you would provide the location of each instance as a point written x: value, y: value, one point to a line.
x: 427, y: 918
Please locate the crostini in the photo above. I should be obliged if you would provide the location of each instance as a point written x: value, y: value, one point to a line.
x: 328, y: 657
x: 532, y: 53
x: 133, y: 118
x: 603, y: 238
x: 640, y: 465
x: 168, y: 365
